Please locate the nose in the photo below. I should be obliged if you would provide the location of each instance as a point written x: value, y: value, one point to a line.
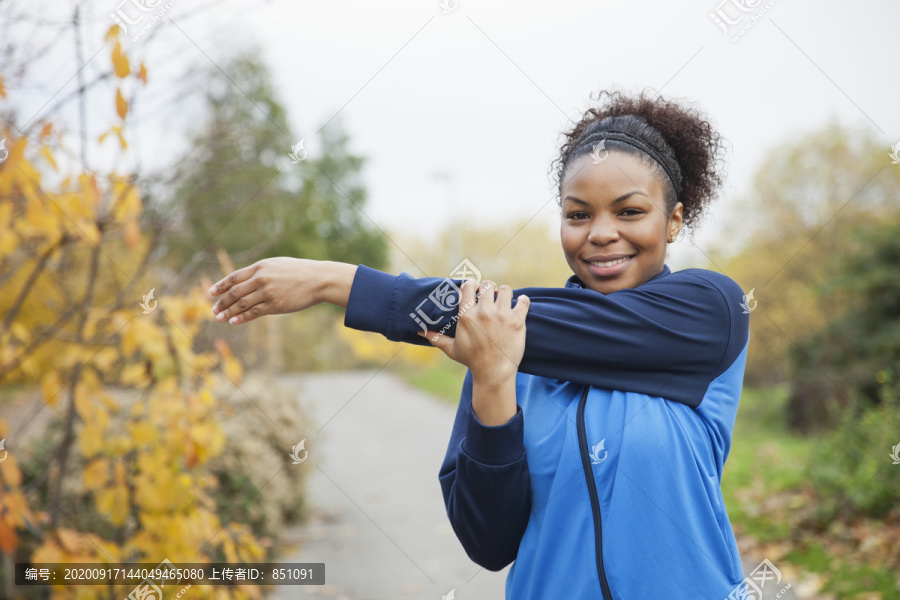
x: 603, y: 230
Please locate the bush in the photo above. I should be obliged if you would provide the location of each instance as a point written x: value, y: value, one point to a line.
x: 258, y: 484
x: 852, y: 466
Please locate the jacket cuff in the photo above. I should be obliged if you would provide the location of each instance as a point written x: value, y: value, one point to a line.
x: 369, y: 303
x: 495, y: 445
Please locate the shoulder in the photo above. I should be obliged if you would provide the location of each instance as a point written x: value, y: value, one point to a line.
x: 714, y: 295
x: 728, y: 288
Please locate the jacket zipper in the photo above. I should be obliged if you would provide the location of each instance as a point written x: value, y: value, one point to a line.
x: 595, y: 500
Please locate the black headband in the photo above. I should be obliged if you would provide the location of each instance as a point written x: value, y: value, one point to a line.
x: 627, y: 138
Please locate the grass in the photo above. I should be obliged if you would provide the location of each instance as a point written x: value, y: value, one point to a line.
x: 764, y: 459
x: 443, y: 379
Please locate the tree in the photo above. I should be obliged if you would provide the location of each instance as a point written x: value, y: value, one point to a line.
x: 805, y: 200
x: 238, y: 187
x: 852, y: 361
x: 135, y: 463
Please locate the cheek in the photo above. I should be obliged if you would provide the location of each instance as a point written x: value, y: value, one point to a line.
x: 569, y: 239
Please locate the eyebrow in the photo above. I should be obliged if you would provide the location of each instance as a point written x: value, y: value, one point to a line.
x: 618, y: 200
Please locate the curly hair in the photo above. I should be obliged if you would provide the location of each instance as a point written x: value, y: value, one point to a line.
x: 692, y: 149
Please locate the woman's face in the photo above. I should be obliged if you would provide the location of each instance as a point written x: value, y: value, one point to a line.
x: 610, y: 211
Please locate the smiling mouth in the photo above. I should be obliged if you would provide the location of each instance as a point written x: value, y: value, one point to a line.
x: 609, y: 263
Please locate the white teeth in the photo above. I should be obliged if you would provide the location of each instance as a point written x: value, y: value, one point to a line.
x: 610, y: 263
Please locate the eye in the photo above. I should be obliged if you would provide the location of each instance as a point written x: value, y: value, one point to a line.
x: 634, y: 212
x: 578, y: 216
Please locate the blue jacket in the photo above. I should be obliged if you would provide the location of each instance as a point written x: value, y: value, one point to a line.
x: 607, y: 482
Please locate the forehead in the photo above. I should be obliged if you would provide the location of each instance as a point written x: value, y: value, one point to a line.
x: 609, y: 179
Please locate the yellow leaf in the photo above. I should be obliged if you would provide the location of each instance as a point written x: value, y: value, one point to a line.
x: 20, y: 332
x: 96, y: 475
x: 46, y: 129
x: 142, y: 74
x: 83, y: 402
x: 45, y: 152
x: 2, y: 89
x: 104, y: 359
x: 72, y: 541
x: 51, y: 386
x: 135, y: 375
x: 10, y: 474
x: 112, y: 33
x: 116, y: 130
x: 8, y: 539
x: 142, y: 434
x: 132, y: 234
x: 49, y: 551
x: 114, y: 503
x: 90, y: 440
x: 120, y: 61
x: 121, y: 104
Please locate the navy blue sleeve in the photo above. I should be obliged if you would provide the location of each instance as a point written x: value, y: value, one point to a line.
x: 670, y: 337
x: 486, y: 486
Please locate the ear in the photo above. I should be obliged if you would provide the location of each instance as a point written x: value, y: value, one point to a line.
x: 675, y: 221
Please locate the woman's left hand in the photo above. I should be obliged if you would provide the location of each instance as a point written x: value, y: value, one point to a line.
x: 490, y: 333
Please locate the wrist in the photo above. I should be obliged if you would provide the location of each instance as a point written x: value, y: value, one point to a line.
x: 335, y: 282
x: 494, y: 398
x: 500, y: 373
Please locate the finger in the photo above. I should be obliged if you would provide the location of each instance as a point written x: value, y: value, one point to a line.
x: 467, y: 294
x: 504, y: 296
x: 522, y: 304
x: 239, y: 308
x: 235, y: 294
x: 439, y: 341
x: 232, y: 279
x: 486, y: 291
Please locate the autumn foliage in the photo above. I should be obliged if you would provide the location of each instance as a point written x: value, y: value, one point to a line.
x: 119, y: 367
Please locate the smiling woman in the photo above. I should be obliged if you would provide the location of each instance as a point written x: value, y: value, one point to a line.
x: 595, y: 419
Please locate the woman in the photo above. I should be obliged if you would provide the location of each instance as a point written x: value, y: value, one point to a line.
x: 589, y: 451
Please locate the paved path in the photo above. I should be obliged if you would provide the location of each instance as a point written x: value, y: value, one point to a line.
x: 378, y: 518
x: 379, y: 523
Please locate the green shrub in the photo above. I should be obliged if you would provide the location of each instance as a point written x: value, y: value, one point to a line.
x: 851, y: 466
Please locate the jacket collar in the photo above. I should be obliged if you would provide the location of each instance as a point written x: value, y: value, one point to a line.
x: 574, y: 282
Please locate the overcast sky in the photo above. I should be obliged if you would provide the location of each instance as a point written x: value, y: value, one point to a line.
x: 484, y: 90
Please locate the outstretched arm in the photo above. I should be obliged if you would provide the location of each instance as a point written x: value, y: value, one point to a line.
x: 670, y: 337
x: 276, y: 286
